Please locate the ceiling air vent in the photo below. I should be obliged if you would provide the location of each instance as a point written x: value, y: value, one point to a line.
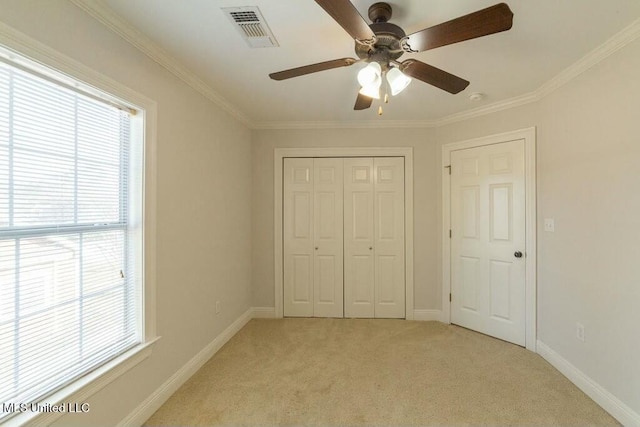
x: 251, y: 25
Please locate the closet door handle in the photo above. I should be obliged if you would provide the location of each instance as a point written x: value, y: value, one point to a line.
x: 316, y: 248
x: 370, y: 248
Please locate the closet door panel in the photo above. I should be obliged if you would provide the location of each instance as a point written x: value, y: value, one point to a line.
x: 389, y: 237
x: 328, y: 237
x: 298, y: 237
x: 358, y: 238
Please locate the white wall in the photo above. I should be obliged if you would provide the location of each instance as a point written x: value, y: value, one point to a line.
x: 426, y: 167
x: 589, y: 181
x: 427, y: 184
x: 588, y: 161
x: 203, y: 228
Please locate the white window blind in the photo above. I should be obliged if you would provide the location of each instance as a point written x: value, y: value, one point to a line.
x: 69, y: 300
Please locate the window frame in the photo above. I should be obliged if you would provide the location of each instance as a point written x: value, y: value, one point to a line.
x: 28, y: 52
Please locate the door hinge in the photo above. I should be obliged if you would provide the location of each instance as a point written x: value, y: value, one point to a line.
x: 449, y: 233
x: 449, y: 297
x: 448, y: 167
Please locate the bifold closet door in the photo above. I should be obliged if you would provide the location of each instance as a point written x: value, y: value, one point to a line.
x: 328, y: 230
x: 374, y: 271
x: 313, y: 237
x: 388, y: 173
x: 359, y: 238
x: 298, y: 237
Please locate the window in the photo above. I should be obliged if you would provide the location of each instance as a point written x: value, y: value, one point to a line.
x: 70, y: 239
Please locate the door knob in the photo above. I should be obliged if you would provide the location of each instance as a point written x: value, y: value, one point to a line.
x: 316, y: 248
x: 370, y: 248
x: 517, y: 254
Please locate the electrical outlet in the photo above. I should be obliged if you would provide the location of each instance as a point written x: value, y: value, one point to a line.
x: 549, y: 225
x: 217, y: 307
x: 580, y: 331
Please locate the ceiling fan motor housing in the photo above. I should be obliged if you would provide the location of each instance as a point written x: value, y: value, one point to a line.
x: 387, y: 45
x: 379, y: 12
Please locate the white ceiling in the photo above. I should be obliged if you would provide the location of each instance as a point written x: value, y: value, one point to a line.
x: 547, y: 37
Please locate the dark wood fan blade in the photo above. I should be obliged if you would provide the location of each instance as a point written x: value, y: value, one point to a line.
x: 313, y: 68
x: 362, y: 102
x: 345, y: 14
x: 434, y: 76
x: 487, y: 21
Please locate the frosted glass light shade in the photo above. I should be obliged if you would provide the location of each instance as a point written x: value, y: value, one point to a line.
x: 370, y: 75
x: 397, y: 80
x: 372, y: 91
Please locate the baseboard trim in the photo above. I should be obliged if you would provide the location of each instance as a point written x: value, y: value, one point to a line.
x: 418, y: 314
x: 264, y: 312
x: 152, y: 403
x: 618, y: 409
x: 427, y: 315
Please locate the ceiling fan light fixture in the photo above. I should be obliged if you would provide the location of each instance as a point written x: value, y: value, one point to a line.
x: 381, y: 43
x: 370, y: 75
x: 398, y: 81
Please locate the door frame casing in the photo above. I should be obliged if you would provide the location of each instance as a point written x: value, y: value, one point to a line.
x: 529, y: 137
x: 278, y: 160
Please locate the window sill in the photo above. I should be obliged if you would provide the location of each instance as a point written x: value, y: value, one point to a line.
x: 75, y: 394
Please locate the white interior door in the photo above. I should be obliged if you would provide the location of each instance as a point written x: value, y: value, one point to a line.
x: 488, y: 240
x: 388, y: 244
x: 359, y: 299
x: 328, y: 241
x: 298, y: 237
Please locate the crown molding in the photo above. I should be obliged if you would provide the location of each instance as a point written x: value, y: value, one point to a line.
x: 337, y: 124
x: 600, y: 53
x: 41, y: 53
x: 394, y: 124
x: 102, y: 13
x: 494, y: 107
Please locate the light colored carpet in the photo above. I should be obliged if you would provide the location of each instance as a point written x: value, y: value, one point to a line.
x: 356, y: 372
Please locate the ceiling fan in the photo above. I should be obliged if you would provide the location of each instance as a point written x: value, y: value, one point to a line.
x: 381, y: 43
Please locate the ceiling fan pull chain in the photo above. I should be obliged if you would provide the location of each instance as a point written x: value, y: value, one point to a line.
x: 386, y: 88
